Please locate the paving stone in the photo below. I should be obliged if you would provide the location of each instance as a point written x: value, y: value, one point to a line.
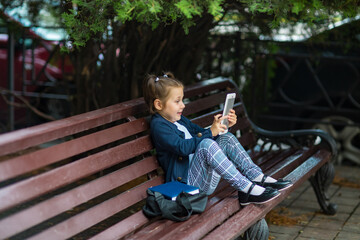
x: 288, y: 230
x: 308, y: 196
x: 345, y: 209
x: 350, y: 173
x: 303, y: 213
x: 326, y: 224
x: 347, y: 201
x: 301, y: 188
x: 357, y: 210
x: 317, y: 233
x: 338, y: 216
x: 333, y: 189
x: 345, y: 224
x: 287, y: 201
x: 353, y: 224
x: 348, y: 236
x: 306, y: 205
x: 303, y: 238
x: 352, y: 193
x: 281, y: 236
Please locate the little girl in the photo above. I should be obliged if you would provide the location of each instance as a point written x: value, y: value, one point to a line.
x: 198, y: 156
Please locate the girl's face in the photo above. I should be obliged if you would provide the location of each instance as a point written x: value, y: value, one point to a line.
x: 173, y: 107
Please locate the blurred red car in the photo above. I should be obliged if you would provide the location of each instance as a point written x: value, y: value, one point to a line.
x: 46, y: 70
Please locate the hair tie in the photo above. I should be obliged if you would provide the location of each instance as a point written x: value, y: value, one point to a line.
x: 157, y: 79
x: 165, y: 75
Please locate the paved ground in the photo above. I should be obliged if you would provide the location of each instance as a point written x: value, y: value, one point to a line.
x: 303, y: 220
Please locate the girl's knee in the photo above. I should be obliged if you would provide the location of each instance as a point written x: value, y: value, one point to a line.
x: 206, y: 142
x: 228, y: 136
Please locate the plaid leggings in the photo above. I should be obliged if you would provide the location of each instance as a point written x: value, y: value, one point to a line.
x: 221, y: 158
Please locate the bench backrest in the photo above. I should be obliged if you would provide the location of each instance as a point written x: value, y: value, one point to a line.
x: 80, y: 175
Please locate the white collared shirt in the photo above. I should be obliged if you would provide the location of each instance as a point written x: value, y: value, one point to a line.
x: 183, y: 129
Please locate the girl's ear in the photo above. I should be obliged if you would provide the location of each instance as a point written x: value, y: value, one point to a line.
x: 158, y: 104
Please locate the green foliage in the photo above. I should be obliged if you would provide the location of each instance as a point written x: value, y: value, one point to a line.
x: 310, y: 11
x: 91, y: 17
x: 86, y: 19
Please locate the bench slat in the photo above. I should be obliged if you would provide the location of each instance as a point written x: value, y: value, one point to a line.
x: 44, y: 157
x: 205, y: 103
x: 247, y: 140
x: 33, y: 187
x: 208, y: 86
x: 80, y: 187
x: 251, y: 213
x: 202, y: 224
x: 147, y: 232
x: 291, y: 162
x: 216, y: 201
x: 261, y: 159
x: 291, y: 166
x: 207, y: 119
x: 281, y: 159
x: 72, y: 198
x: 181, y: 231
x: 86, y: 219
x: 122, y: 228
x: 33, y: 136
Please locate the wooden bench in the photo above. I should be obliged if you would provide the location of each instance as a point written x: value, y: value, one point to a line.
x: 86, y: 176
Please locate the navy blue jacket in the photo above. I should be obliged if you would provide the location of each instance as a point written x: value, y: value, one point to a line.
x: 172, y: 148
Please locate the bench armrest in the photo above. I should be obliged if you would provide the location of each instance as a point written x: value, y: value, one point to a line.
x: 296, y: 138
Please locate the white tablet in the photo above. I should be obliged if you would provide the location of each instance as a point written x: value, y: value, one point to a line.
x: 229, y: 104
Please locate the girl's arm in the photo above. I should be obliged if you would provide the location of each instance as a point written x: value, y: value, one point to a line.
x: 217, y: 127
x: 232, y: 118
x: 166, y: 138
x: 194, y: 129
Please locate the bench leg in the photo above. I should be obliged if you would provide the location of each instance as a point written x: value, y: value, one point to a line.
x: 321, y: 182
x: 258, y: 231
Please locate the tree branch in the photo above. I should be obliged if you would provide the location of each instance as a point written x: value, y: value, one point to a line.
x: 27, y: 104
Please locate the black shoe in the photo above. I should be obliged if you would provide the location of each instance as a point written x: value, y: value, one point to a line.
x: 280, y: 184
x: 267, y: 195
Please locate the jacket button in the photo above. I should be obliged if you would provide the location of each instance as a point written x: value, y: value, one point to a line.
x: 199, y: 135
x: 179, y: 179
x: 180, y: 158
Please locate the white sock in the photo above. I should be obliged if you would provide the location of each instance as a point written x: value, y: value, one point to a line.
x: 268, y: 179
x: 256, y: 191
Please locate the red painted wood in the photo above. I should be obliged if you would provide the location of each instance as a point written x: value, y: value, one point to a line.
x: 207, y: 119
x: 197, y: 226
x: 291, y: 166
x: 282, y: 159
x: 205, y: 103
x: 123, y: 228
x: 86, y: 219
x: 250, y: 214
x: 247, y: 140
x: 36, y: 186
x: 159, y: 228
x: 32, y: 136
x: 223, y: 217
x: 74, y: 197
x: 53, y: 154
x: 268, y: 156
x: 207, y: 86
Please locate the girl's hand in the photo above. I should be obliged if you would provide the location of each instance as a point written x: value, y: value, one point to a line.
x: 232, y: 118
x: 216, y: 126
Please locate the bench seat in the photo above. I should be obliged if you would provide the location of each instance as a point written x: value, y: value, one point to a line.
x: 85, y: 177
